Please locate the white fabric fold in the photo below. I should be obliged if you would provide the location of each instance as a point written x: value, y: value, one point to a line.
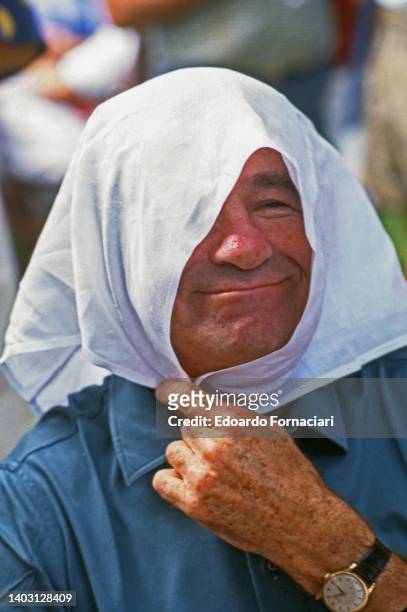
x: 152, y: 170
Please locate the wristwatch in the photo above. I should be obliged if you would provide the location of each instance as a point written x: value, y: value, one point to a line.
x: 348, y: 590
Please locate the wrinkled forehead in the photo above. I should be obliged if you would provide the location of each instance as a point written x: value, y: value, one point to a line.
x: 266, y: 168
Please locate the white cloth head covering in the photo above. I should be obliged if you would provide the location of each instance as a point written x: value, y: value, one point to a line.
x: 152, y: 171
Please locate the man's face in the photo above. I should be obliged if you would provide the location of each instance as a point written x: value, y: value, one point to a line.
x: 245, y: 286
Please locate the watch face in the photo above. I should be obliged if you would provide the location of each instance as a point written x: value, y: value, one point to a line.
x: 344, y: 592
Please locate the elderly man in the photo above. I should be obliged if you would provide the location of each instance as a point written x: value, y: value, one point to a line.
x: 205, y: 232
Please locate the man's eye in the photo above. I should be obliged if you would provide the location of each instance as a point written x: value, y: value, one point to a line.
x: 274, y: 204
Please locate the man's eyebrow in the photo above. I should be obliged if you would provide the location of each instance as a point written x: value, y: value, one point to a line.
x: 273, y: 179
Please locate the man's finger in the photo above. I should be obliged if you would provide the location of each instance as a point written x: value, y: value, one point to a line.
x: 179, y: 455
x: 170, y: 486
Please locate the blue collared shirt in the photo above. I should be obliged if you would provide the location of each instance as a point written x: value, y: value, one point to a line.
x: 78, y: 512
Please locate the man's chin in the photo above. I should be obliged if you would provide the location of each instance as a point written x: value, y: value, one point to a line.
x: 239, y: 343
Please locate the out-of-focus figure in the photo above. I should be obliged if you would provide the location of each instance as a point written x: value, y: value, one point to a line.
x: 386, y: 104
x: 344, y: 100
x: 20, y: 43
x: 288, y: 43
x: 43, y: 109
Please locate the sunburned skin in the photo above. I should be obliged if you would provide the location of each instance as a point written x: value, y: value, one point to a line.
x: 244, y: 289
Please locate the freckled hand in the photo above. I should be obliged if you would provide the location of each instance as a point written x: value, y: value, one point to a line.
x: 220, y: 483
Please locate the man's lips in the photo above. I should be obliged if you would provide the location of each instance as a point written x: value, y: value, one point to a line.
x: 244, y: 289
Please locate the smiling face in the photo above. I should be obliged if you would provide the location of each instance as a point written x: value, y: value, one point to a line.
x: 244, y: 288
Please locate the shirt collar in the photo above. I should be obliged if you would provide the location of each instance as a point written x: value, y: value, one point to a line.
x: 132, y: 415
x: 132, y: 424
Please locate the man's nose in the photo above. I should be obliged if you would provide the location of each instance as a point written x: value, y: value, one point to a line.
x: 246, y: 248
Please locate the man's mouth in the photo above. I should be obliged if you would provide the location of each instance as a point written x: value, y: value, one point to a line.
x: 243, y: 289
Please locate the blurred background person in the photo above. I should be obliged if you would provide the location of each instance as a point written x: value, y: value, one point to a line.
x: 386, y: 120
x: 20, y: 43
x: 344, y: 100
x: 58, y: 61
x: 44, y: 108
x: 291, y: 44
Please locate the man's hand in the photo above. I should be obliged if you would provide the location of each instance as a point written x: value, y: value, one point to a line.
x: 262, y: 495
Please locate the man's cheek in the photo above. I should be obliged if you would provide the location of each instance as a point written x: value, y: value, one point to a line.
x: 296, y: 246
